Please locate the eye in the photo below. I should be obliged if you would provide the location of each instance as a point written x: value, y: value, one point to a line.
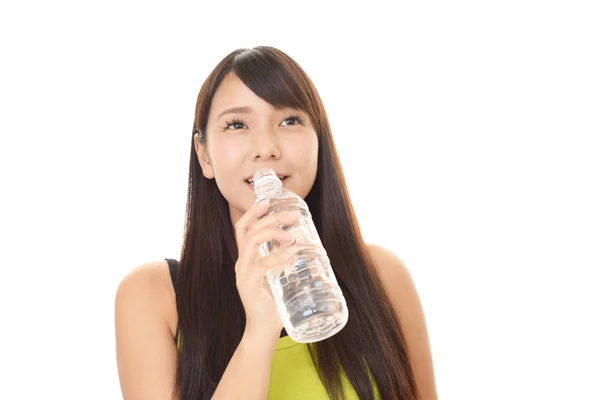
x: 238, y: 123
x: 297, y: 120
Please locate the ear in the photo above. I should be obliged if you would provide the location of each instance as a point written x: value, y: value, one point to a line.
x: 204, y: 158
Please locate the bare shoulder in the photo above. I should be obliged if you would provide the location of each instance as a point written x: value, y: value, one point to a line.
x: 406, y: 302
x: 146, y: 350
x: 395, y: 277
x: 152, y: 282
x: 387, y: 262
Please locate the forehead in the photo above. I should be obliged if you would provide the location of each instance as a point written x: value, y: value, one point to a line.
x: 232, y: 92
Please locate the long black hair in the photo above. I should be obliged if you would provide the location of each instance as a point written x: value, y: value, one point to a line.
x: 372, y: 341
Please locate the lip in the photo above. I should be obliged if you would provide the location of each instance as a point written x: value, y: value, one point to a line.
x: 251, y: 185
x: 277, y: 173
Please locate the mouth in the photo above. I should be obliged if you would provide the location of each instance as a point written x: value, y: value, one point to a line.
x: 250, y: 182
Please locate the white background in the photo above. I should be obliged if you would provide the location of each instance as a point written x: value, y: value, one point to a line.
x: 468, y: 133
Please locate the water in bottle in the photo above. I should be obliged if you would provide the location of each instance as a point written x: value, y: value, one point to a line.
x: 309, y: 299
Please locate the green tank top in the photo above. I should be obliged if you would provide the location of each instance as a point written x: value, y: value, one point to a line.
x: 293, y: 374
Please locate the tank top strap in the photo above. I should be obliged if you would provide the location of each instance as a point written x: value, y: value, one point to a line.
x: 173, y: 266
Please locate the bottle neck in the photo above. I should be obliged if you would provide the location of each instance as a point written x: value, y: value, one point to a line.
x: 268, y: 187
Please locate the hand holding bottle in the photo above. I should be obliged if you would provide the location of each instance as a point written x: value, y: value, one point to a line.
x: 262, y: 317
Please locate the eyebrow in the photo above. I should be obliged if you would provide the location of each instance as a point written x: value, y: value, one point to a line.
x: 245, y: 110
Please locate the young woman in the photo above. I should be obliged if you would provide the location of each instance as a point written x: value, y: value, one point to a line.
x: 206, y: 326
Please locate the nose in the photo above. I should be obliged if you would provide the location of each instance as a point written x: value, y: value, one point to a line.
x: 265, y: 146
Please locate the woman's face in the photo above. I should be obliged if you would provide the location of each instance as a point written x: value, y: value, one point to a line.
x: 255, y: 135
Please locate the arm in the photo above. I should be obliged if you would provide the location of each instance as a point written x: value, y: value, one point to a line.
x: 146, y: 350
x: 407, y: 305
x: 248, y: 373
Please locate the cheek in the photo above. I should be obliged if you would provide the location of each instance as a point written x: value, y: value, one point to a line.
x: 226, y: 161
x: 310, y: 154
x: 304, y: 151
x: 304, y: 157
x: 226, y: 155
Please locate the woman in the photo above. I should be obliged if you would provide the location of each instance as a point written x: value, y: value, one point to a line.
x: 206, y: 327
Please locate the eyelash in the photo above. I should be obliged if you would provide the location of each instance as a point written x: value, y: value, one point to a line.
x: 299, y: 119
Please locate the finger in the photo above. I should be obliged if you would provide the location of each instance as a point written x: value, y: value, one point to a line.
x: 275, y: 220
x: 251, y: 253
x: 256, y: 211
x: 277, y: 261
x: 269, y: 234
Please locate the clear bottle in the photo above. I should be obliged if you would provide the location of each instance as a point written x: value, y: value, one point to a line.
x: 309, y: 299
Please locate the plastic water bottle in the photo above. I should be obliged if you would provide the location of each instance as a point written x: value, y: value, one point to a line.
x: 308, y: 297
